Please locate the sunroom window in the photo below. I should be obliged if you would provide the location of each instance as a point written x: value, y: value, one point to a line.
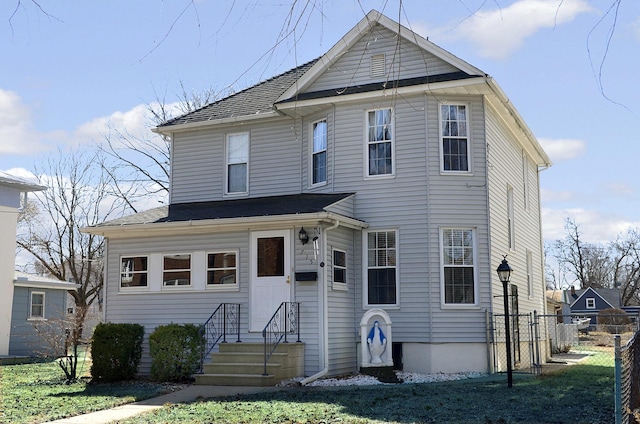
x: 176, y: 270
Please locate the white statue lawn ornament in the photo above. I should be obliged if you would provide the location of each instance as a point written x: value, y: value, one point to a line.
x: 377, y: 343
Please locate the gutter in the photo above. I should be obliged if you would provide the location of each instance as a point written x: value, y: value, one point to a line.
x: 324, y: 326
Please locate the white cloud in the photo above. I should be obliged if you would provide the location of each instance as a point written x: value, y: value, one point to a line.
x: 596, y: 227
x: 499, y: 32
x: 16, y: 133
x: 563, y: 148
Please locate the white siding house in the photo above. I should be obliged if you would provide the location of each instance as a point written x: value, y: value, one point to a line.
x: 409, y: 169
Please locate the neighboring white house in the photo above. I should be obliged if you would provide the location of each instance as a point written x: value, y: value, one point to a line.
x: 12, y: 197
x: 410, y: 172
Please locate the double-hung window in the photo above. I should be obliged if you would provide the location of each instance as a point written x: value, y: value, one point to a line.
x: 36, y: 307
x: 222, y: 269
x: 339, y: 269
x: 458, y: 266
x: 319, y: 156
x: 381, y: 270
x: 134, y: 271
x: 379, y: 142
x: 176, y: 270
x: 454, y: 136
x: 591, y: 303
x: 237, y: 161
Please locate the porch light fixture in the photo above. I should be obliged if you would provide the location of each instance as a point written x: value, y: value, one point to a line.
x: 504, y: 273
x: 303, y: 236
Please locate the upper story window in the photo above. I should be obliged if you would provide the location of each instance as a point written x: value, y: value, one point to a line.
x: 381, y: 268
x: 222, y: 269
x: 134, y: 271
x: 458, y: 266
x: 237, y: 161
x: 379, y: 142
x: 176, y: 270
x: 36, y: 307
x: 591, y: 303
x: 455, y: 137
x: 319, y: 152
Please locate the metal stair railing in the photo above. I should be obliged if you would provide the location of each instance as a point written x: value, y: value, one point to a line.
x: 225, y: 320
x: 285, y: 321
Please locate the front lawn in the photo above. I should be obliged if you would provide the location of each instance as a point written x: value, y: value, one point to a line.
x: 33, y: 393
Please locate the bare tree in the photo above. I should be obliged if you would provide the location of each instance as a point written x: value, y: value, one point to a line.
x: 138, y: 165
x: 78, y: 195
x: 627, y: 266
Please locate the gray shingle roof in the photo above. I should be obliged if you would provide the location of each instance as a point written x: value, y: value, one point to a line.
x: 251, y: 101
x: 238, y: 208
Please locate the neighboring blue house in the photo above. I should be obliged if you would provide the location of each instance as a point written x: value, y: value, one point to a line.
x: 588, y: 302
x: 38, y: 301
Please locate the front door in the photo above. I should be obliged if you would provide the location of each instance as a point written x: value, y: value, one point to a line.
x: 270, y: 275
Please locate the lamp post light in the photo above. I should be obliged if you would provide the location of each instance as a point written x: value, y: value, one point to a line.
x: 504, y: 273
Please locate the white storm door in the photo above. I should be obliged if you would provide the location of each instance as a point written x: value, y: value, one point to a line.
x: 270, y: 275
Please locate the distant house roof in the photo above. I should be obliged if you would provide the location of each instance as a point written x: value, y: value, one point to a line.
x: 21, y: 184
x: 611, y: 296
x: 250, y: 101
x: 23, y: 279
x: 237, y: 208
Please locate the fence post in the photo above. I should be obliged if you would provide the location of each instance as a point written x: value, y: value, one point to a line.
x: 618, y: 378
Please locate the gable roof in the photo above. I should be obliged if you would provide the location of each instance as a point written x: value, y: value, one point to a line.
x: 20, y: 184
x: 609, y: 296
x: 235, y: 212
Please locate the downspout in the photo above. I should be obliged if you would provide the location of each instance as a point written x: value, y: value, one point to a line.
x: 324, y: 324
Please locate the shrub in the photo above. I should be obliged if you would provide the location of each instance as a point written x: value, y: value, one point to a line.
x: 613, y: 320
x: 115, y: 351
x: 175, y: 352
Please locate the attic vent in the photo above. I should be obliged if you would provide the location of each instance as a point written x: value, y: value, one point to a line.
x: 377, y: 65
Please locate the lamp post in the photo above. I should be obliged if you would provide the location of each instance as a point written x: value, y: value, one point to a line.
x: 504, y: 273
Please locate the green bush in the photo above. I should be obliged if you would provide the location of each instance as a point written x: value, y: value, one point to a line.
x: 115, y: 351
x: 175, y: 352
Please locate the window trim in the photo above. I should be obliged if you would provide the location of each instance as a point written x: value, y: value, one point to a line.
x: 441, y: 138
x: 338, y: 285
x: 227, y: 163
x: 511, y: 219
x: 147, y: 271
x: 222, y: 287
x: 313, y: 153
x: 367, y: 142
x: 590, y: 300
x: 41, y: 317
x: 190, y: 270
x: 365, y: 269
x: 476, y: 302
x: 530, y: 287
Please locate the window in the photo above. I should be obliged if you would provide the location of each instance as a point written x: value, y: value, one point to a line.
x: 458, y: 266
x: 381, y: 268
x: 319, y: 152
x: 339, y: 269
x: 511, y: 228
x: 36, y: 309
x: 134, y: 271
x: 237, y: 162
x: 222, y: 269
x: 455, y: 139
x: 379, y: 142
x: 591, y: 303
x: 176, y: 270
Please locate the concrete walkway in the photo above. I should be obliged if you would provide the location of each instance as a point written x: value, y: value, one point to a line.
x: 189, y: 394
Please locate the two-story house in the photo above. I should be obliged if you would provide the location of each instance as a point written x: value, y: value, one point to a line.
x: 388, y: 174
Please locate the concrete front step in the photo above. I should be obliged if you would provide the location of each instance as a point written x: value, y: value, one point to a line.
x: 255, y: 380
x: 241, y: 368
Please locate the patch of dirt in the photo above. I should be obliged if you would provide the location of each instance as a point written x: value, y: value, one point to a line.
x: 601, y: 339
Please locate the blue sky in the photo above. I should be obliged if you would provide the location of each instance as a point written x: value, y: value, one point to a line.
x: 73, y: 68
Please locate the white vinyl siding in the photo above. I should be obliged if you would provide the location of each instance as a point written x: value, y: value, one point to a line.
x: 455, y: 143
x: 379, y: 143
x: 237, y: 163
x: 511, y: 225
x: 530, y: 291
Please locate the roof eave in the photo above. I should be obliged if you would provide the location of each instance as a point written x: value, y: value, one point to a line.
x: 189, y: 126
x: 223, y: 224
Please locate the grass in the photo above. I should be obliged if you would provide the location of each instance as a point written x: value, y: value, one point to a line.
x: 581, y: 393
x: 34, y: 393
x: 578, y: 394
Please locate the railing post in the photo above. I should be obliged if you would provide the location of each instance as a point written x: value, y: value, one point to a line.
x: 238, y: 321
x: 618, y: 379
x: 264, y: 336
x: 285, y: 316
x: 224, y: 323
x: 298, y: 320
